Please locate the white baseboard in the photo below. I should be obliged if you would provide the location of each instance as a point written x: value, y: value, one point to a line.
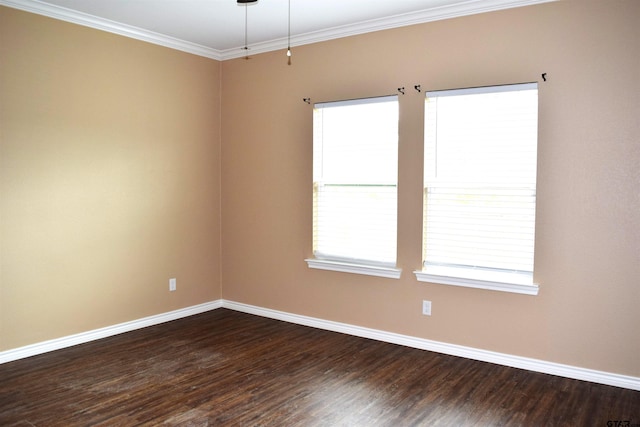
x: 96, y: 334
x: 536, y: 365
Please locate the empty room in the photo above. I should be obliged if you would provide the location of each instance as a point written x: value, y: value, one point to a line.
x: 319, y: 213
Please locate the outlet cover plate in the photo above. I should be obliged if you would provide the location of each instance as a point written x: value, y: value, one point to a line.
x: 426, y: 308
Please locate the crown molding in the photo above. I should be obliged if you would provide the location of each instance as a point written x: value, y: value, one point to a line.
x: 469, y: 7
x: 84, y: 19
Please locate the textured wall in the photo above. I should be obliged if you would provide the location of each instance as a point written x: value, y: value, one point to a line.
x: 588, y: 227
x: 109, y: 179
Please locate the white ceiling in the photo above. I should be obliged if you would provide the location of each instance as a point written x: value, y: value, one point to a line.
x: 216, y: 28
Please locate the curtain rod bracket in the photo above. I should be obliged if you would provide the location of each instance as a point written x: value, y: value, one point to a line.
x: 307, y: 100
x: 544, y: 76
x: 418, y: 88
x: 401, y: 90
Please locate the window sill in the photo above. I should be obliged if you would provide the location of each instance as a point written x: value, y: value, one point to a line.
x: 514, y: 283
x: 347, y: 267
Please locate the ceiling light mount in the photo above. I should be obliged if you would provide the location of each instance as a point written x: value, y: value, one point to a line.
x: 245, y: 3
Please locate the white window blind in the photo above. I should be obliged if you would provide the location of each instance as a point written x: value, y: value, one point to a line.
x: 480, y: 182
x: 355, y: 157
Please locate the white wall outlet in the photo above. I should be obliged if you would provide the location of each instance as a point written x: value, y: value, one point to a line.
x: 426, y: 308
x: 172, y: 284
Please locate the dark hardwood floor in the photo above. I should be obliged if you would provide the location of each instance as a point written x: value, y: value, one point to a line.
x: 228, y: 368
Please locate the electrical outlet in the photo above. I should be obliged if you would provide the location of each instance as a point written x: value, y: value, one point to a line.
x: 426, y: 308
x: 172, y: 285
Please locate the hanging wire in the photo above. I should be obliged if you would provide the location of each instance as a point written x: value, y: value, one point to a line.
x: 246, y: 47
x: 289, y: 36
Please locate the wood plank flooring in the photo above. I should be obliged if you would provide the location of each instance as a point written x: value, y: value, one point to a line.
x: 225, y: 368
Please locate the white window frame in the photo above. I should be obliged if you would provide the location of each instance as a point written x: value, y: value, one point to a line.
x: 332, y: 261
x: 467, y: 275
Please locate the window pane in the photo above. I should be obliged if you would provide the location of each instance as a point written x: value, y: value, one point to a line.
x: 486, y: 137
x: 356, y: 222
x: 480, y: 227
x: 355, y: 180
x: 357, y: 143
x: 480, y: 174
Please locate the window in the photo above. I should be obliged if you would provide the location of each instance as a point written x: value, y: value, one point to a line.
x: 480, y: 187
x: 355, y: 174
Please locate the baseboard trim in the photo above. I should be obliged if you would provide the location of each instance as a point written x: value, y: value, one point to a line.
x: 535, y: 365
x: 600, y: 377
x: 96, y: 334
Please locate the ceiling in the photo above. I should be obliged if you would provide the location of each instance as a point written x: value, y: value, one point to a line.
x: 216, y: 28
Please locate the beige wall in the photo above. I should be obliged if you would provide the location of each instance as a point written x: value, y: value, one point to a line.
x: 588, y: 222
x: 109, y: 179
x: 113, y: 153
